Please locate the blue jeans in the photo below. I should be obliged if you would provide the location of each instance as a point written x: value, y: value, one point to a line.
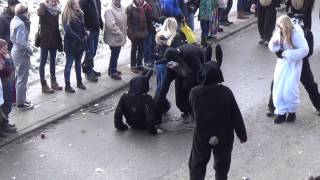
x: 161, y: 73
x: 115, y: 51
x: 8, y: 92
x: 190, y: 20
x: 92, y: 43
x: 149, y: 45
x: 241, y: 5
x: 43, y: 62
x: 205, y: 25
x: 70, y: 58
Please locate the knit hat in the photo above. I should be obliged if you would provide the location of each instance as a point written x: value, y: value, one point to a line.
x: 12, y: 2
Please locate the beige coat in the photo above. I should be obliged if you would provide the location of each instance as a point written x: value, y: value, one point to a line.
x: 115, y: 32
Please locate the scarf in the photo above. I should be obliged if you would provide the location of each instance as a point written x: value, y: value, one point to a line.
x: 25, y: 20
x: 53, y: 10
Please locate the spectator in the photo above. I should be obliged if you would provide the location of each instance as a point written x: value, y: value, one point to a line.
x: 5, y: 19
x: 50, y: 41
x: 2, y: 134
x: 93, y: 21
x: 21, y: 52
x: 7, y: 81
x: 290, y: 46
x: 153, y: 16
x: 137, y: 32
x: 74, y: 41
x: 224, y: 21
x: 206, y: 9
x: 188, y: 11
x: 115, y: 34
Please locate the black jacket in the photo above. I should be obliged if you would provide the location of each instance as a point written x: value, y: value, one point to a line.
x: 92, y: 20
x: 5, y: 19
x: 216, y: 110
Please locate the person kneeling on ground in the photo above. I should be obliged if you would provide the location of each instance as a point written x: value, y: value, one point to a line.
x: 137, y: 107
x: 217, y: 115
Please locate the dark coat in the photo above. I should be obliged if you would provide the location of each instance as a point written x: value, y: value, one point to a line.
x: 137, y: 22
x: 215, y: 109
x: 5, y: 19
x: 91, y: 18
x: 49, y: 29
x: 137, y: 107
x: 75, y: 33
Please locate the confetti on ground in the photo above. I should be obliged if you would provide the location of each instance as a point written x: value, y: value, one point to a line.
x: 300, y: 152
x: 99, y: 170
x: 42, y: 156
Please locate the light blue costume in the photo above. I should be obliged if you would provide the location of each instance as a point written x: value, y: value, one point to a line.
x: 288, y: 70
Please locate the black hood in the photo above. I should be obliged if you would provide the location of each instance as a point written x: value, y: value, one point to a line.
x: 210, y: 73
x: 140, y: 84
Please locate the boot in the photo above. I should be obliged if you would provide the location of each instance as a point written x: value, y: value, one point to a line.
x: 7, y: 129
x: 204, y: 41
x: 92, y: 77
x: 55, y: 85
x: 2, y: 135
x: 280, y: 119
x: 241, y: 15
x: 68, y: 88
x: 45, y: 87
x: 80, y: 85
x: 291, y: 117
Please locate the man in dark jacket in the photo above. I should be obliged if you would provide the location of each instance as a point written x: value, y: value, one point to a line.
x: 303, y: 7
x: 137, y: 107
x: 5, y: 19
x: 93, y: 21
x: 217, y: 116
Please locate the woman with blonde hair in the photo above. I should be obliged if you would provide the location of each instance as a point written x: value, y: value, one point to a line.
x: 74, y: 41
x: 290, y: 46
x: 21, y: 52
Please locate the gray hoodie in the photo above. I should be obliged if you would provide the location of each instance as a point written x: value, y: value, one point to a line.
x: 19, y: 36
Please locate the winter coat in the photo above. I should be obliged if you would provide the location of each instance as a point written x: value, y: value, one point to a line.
x: 137, y: 22
x: 8, y: 71
x: 206, y: 9
x: 115, y: 31
x: 171, y: 8
x: 75, y: 33
x: 288, y: 70
x: 5, y: 19
x: 274, y: 4
x: 215, y: 109
x: 153, y: 14
x: 49, y: 29
x: 92, y: 19
x: 19, y: 36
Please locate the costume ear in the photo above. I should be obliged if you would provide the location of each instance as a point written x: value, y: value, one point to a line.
x: 208, y: 54
x: 149, y: 74
x: 219, y: 55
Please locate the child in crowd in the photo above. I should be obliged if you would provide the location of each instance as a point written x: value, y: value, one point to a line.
x: 7, y: 74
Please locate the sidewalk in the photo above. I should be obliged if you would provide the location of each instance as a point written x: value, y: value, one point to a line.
x: 50, y: 108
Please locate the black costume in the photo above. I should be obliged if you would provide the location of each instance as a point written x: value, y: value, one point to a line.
x: 266, y: 19
x: 217, y: 116
x: 306, y: 10
x: 188, y: 59
x: 306, y: 78
x: 137, y: 107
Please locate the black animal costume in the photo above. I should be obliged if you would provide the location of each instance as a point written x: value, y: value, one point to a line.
x: 266, y: 18
x: 302, y: 7
x: 217, y: 116
x: 306, y: 78
x: 183, y: 67
x: 137, y: 107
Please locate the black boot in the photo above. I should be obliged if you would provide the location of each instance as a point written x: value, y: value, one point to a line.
x: 7, y: 129
x: 68, y: 88
x: 280, y: 119
x: 291, y: 117
x: 80, y: 85
x: 2, y: 135
x: 204, y: 41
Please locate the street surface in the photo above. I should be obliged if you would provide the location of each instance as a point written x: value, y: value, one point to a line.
x: 86, y: 146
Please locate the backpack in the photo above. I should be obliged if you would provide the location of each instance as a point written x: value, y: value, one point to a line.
x: 170, y: 8
x: 265, y: 3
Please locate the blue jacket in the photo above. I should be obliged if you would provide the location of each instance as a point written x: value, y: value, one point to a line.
x: 171, y: 8
x: 75, y: 33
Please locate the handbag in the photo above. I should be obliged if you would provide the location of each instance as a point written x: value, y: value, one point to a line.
x: 191, y: 38
x: 37, y: 38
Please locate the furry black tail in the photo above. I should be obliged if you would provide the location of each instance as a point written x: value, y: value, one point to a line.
x: 219, y: 55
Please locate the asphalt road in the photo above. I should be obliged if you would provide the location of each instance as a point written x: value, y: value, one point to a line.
x: 86, y: 146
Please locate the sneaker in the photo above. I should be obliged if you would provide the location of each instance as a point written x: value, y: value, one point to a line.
x: 25, y: 106
x: 135, y: 70
x: 291, y: 117
x: 266, y: 44
x: 261, y: 42
x: 92, y: 77
x: 224, y: 23
x: 229, y: 22
x: 220, y: 29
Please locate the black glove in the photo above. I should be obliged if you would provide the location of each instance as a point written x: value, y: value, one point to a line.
x: 279, y: 54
